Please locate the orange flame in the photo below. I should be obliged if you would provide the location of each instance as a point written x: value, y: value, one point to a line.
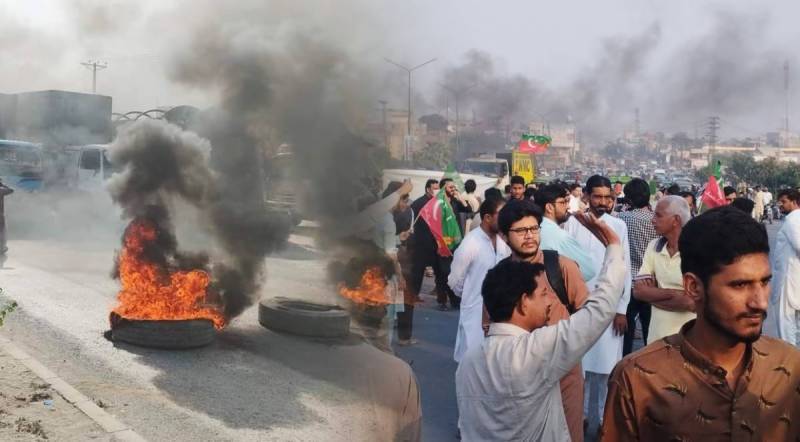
x: 150, y: 292
x: 371, y: 289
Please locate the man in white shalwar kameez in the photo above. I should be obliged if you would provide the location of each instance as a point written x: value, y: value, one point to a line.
x: 480, y: 250
x: 783, y: 320
x: 604, y: 355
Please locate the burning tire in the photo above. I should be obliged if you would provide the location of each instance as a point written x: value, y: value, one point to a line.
x: 169, y: 335
x: 303, y: 318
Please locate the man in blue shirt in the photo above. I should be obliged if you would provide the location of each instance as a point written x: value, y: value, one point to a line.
x: 552, y: 198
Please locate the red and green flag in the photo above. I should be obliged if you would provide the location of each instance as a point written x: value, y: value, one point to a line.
x: 442, y: 221
x: 712, y: 194
x: 534, y: 143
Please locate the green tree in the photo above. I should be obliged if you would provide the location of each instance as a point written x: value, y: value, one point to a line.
x: 434, y: 122
x: 6, y: 308
x: 615, y: 150
x: 434, y: 156
x: 473, y: 143
x: 770, y: 172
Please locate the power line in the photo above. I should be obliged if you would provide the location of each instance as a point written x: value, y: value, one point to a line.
x: 712, y: 127
x: 407, y: 150
x: 786, y: 92
x: 457, y: 93
x: 711, y: 134
x: 95, y: 66
x: 385, y: 128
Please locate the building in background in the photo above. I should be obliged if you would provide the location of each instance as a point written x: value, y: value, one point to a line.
x: 56, y: 117
x: 564, y: 147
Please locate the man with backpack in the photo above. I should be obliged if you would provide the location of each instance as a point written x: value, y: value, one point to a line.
x: 519, y: 223
x: 553, y: 200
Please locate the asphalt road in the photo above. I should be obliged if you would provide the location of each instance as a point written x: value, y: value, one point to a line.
x: 432, y: 362
x: 251, y: 384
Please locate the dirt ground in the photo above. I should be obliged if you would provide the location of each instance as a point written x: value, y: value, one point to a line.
x: 32, y: 411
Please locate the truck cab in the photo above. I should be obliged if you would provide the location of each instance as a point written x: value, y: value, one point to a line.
x: 502, y: 165
x: 85, y: 168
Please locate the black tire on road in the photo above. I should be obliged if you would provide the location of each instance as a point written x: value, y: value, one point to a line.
x: 303, y: 318
x: 168, y: 335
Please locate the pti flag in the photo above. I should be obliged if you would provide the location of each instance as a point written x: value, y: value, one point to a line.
x: 441, y: 220
x: 712, y: 194
x: 452, y: 173
x: 534, y: 143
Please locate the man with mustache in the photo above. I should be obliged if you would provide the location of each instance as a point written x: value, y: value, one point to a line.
x: 520, y: 224
x: 660, y: 281
x: 718, y: 378
x: 600, y: 360
x: 508, y: 386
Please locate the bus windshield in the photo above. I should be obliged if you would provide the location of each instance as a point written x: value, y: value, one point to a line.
x: 20, y: 164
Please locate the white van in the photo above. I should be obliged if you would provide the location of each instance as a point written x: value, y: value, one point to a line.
x: 86, y: 167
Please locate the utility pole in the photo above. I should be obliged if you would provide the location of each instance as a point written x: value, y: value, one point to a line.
x: 457, y: 93
x: 786, y: 93
x: 711, y: 134
x: 385, y: 133
x: 407, y: 147
x: 94, y: 66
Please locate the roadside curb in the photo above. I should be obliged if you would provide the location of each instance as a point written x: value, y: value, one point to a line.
x: 113, y: 427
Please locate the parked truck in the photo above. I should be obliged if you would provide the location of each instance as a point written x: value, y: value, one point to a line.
x: 502, y: 166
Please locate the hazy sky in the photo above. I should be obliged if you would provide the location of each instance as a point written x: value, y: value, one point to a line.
x: 557, y: 45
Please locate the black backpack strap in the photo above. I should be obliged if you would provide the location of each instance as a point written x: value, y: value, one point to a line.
x: 556, y: 279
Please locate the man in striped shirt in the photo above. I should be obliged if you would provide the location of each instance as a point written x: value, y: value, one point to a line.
x: 640, y: 233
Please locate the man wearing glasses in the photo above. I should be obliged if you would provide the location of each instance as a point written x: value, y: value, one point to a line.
x: 604, y: 355
x: 519, y: 224
x: 553, y: 200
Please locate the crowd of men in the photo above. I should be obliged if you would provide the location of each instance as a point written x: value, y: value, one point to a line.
x: 551, y: 282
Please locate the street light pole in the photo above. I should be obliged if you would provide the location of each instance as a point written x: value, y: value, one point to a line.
x: 457, y: 95
x: 407, y: 150
x: 385, y: 132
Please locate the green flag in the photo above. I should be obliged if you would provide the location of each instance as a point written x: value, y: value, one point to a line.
x: 451, y: 232
x: 452, y: 173
x: 717, y: 172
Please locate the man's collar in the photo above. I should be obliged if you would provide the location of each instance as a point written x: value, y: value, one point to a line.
x: 546, y: 220
x: 698, y: 359
x: 505, y: 329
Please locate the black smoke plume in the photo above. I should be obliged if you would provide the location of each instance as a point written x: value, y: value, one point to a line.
x: 161, y: 164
